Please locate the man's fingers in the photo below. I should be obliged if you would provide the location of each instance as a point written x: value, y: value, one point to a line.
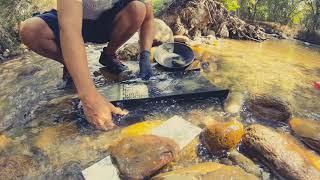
x: 118, y: 111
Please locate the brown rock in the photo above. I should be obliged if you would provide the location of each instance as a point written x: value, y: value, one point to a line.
x: 308, y: 131
x: 18, y: 167
x: 268, y: 108
x: 207, y: 171
x: 282, y: 153
x: 222, y: 136
x: 140, y: 157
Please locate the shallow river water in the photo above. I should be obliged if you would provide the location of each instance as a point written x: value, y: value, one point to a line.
x: 46, y: 124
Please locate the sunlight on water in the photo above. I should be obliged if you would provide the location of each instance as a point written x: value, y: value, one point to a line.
x: 283, y: 69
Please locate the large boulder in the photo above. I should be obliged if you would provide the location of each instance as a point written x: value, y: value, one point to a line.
x: 207, y: 171
x: 282, y: 153
x: 139, y: 157
x: 194, y: 17
x: 18, y: 167
x: 266, y: 108
x: 222, y: 136
x: 163, y: 33
x: 308, y: 131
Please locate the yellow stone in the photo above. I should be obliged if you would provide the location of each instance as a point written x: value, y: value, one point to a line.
x: 142, y: 128
x: 4, y: 141
x: 306, y: 128
x: 223, y: 136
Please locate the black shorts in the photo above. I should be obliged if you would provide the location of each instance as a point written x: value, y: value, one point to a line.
x: 95, y: 31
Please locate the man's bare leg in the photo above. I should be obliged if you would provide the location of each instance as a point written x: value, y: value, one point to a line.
x: 37, y: 36
x: 126, y: 24
x: 147, y: 29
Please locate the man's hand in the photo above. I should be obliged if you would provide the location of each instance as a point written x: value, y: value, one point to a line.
x: 99, y: 112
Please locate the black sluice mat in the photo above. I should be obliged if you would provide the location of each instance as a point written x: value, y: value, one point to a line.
x: 169, y: 86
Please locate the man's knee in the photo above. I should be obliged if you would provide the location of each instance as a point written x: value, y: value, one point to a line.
x: 137, y: 11
x: 30, y: 30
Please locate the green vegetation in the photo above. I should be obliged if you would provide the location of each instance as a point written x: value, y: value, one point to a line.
x: 305, y: 13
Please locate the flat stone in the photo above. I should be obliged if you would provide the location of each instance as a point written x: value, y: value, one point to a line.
x: 206, y: 171
x: 222, y: 136
x: 18, y: 167
x: 140, y: 157
x: 283, y: 154
x: 308, y: 131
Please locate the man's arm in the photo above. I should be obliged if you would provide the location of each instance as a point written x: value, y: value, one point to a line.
x: 97, y: 110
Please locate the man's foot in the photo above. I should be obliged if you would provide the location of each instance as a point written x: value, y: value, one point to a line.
x: 67, y: 82
x: 145, y: 66
x: 111, y: 62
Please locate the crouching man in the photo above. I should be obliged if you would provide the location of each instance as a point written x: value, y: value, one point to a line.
x: 60, y: 35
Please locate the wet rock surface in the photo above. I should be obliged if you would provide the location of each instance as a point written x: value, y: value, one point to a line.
x: 308, y: 131
x: 18, y: 167
x: 140, y: 157
x: 222, y: 136
x: 282, y: 153
x: 206, y: 171
x: 269, y: 109
x: 245, y: 163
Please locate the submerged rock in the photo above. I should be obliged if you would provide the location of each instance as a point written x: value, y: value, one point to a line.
x: 282, y: 153
x: 18, y: 167
x: 268, y: 108
x: 207, y: 171
x: 233, y: 103
x: 245, y: 163
x: 139, y: 157
x: 163, y: 33
x: 308, y: 131
x: 222, y: 136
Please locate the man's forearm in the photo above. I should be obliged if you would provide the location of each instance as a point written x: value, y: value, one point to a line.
x: 74, y: 54
x: 147, y: 29
x: 72, y: 45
